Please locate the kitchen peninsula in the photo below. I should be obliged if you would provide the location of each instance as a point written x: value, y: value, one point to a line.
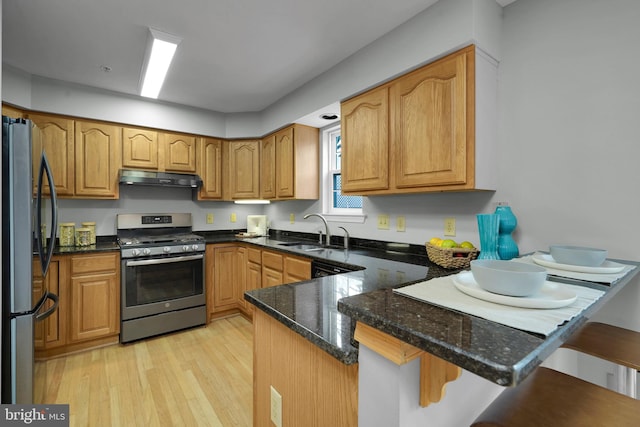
x: 297, y: 325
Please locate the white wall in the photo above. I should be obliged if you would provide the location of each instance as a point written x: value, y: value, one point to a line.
x: 568, y: 134
x: 154, y: 200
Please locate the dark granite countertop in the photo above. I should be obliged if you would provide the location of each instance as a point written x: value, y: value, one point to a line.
x: 325, y: 311
x: 311, y: 307
x: 493, y: 351
x: 103, y: 244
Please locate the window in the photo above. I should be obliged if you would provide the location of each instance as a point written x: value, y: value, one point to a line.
x: 334, y: 202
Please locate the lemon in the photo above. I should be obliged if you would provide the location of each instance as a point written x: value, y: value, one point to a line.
x: 448, y: 244
x: 435, y: 241
x: 467, y: 245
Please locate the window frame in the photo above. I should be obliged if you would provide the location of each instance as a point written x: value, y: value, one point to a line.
x: 328, y: 170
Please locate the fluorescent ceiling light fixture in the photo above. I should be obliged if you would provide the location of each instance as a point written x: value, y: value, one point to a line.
x: 160, y: 50
x: 252, y: 202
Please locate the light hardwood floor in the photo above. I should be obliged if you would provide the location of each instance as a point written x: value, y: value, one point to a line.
x: 198, y: 377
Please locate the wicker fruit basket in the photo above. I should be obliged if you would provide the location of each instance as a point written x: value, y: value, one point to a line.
x: 451, y: 257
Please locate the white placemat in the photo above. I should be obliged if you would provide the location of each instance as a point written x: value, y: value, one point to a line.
x: 589, y: 277
x: 441, y: 291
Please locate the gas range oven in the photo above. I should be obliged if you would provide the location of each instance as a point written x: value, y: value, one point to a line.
x: 162, y: 272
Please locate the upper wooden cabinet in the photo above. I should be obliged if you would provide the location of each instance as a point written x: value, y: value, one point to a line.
x: 429, y: 113
x: 178, y: 151
x: 290, y: 164
x: 13, y: 112
x: 84, y: 156
x: 139, y: 148
x: 365, y: 158
x: 243, y: 169
x: 268, y: 167
x: 417, y: 133
x: 55, y: 136
x: 97, y: 160
x: 209, y: 168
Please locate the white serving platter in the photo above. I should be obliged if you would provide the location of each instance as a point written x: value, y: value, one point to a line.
x: 607, y: 267
x: 552, y: 294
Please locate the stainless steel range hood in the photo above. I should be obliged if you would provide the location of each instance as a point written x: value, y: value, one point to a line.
x: 159, y: 179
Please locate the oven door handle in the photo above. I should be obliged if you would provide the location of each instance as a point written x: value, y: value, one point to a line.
x: 134, y: 263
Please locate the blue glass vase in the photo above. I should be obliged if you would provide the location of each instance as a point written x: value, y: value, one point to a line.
x: 488, y: 231
x: 507, y: 247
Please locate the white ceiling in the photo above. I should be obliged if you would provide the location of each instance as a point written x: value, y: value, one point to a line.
x: 235, y: 55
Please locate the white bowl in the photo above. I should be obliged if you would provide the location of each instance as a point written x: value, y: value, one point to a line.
x: 512, y: 278
x: 577, y: 255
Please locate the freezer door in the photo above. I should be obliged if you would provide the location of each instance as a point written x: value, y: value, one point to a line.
x: 22, y: 353
x: 17, y: 227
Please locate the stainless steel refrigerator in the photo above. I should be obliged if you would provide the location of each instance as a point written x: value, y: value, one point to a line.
x: 22, y: 220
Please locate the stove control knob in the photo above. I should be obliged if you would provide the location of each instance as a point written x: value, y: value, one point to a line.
x: 146, y: 251
x: 185, y: 248
x: 135, y: 252
x: 166, y: 249
x: 194, y: 247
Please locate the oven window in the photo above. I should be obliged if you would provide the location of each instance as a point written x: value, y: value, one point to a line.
x: 153, y: 283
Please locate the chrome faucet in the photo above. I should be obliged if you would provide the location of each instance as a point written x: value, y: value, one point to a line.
x: 346, y: 238
x: 326, y: 226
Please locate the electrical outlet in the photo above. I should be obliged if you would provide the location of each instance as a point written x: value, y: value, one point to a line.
x: 449, y: 226
x: 400, y: 224
x: 383, y: 222
x: 292, y: 218
x: 234, y: 217
x: 209, y: 218
x: 276, y: 407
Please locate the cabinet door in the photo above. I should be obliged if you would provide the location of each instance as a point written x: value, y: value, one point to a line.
x: 244, y: 169
x: 296, y: 269
x: 179, y: 152
x: 365, y: 142
x: 254, y: 281
x: 268, y: 168
x: 139, y: 148
x: 51, y: 332
x: 271, y: 277
x: 226, y: 284
x: 94, y: 296
x: 285, y: 170
x: 429, y: 125
x: 210, y: 168
x: 55, y: 135
x: 14, y: 113
x: 97, y: 152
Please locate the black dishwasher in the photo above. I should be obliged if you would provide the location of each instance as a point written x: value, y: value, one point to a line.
x: 321, y: 269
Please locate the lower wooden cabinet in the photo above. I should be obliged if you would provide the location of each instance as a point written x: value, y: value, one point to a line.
x: 51, y: 332
x: 225, y: 277
x: 88, y: 314
x: 272, y: 269
x: 296, y: 269
x: 231, y: 269
x: 253, y: 278
x: 95, y: 296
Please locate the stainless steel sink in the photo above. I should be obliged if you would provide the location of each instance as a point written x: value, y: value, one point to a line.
x: 302, y: 246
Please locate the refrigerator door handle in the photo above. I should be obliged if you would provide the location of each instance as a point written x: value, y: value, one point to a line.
x: 35, y: 311
x: 50, y: 310
x: 45, y: 257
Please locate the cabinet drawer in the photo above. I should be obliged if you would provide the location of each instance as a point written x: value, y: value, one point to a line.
x: 255, y: 255
x: 94, y: 263
x: 297, y: 267
x: 272, y: 261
